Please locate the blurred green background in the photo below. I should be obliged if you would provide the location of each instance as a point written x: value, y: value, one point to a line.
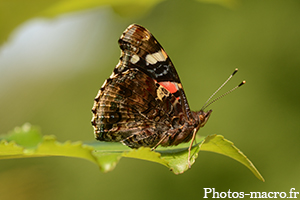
x: 55, y: 56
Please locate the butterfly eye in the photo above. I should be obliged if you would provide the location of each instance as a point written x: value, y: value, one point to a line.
x: 203, y: 116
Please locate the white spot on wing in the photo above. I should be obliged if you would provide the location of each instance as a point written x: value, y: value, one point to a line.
x: 158, y: 56
x: 102, y: 86
x: 150, y: 59
x: 98, y: 95
x: 134, y: 59
x: 112, y: 76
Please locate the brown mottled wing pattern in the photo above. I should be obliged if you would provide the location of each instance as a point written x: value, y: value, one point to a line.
x: 141, y: 50
x: 143, y: 99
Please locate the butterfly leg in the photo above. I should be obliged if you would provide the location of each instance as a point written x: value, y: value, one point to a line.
x: 190, y: 147
x: 160, y: 141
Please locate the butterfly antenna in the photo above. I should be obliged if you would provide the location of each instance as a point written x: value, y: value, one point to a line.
x: 204, y: 106
x: 236, y: 87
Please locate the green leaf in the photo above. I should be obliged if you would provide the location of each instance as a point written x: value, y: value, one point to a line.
x: 232, y: 4
x: 27, y: 141
x: 14, y: 13
x: 218, y: 144
x: 122, y: 7
x: 27, y: 136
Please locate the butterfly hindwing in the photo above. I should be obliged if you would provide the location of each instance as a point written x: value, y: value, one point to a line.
x: 134, y: 109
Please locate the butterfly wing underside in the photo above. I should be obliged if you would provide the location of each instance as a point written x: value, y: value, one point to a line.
x: 143, y: 99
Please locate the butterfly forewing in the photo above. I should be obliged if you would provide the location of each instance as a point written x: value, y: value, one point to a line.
x: 147, y: 54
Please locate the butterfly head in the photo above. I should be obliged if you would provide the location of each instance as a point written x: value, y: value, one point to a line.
x: 203, y: 117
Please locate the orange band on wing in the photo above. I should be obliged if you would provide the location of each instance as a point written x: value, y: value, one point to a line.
x: 170, y: 86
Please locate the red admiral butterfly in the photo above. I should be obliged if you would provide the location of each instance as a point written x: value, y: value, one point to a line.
x: 143, y: 102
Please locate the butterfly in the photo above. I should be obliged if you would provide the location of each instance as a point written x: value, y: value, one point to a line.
x: 143, y: 102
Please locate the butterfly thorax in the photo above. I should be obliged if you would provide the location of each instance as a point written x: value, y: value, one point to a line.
x: 183, y: 133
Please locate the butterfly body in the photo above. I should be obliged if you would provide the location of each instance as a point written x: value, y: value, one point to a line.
x: 143, y: 103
